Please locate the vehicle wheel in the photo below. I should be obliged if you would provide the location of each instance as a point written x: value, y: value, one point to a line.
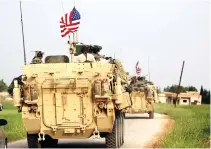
x: 49, y: 142
x: 123, y: 135
x: 112, y: 139
x: 32, y: 140
x: 123, y: 114
x: 1, y: 108
x: 5, y: 144
x: 119, y: 129
x: 151, y: 115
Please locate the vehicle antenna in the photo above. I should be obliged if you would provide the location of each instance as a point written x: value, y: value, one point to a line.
x: 24, y: 51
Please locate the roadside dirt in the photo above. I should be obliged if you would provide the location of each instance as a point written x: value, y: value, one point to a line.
x: 157, y: 139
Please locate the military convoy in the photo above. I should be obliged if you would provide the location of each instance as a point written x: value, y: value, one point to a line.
x: 61, y: 99
x: 143, y: 96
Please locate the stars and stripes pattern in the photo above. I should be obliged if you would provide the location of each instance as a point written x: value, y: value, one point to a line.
x: 70, y: 22
x: 138, y: 69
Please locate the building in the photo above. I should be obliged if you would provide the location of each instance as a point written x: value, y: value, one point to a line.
x: 190, y: 98
x: 183, y: 98
x: 4, y: 95
x: 170, y: 97
x: 161, y: 98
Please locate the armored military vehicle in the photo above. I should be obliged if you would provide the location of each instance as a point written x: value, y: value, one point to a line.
x: 143, y: 96
x: 62, y: 99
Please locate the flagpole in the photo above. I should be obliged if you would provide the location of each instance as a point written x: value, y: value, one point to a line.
x: 77, y: 36
x: 24, y: 50
x: 64, y: 13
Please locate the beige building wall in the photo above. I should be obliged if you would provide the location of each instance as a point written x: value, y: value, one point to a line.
x: 184, y: 98
x: 161, y: 98
x: 191, y: 97
x: 184, y: 101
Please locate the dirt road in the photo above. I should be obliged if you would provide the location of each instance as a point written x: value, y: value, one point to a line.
x: 139, y: 131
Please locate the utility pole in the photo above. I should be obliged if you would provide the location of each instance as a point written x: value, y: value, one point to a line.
x: 178, y: 89
x: 24, y: 51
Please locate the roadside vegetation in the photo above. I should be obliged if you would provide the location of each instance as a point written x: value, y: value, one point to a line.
x: 14, y: 129
x: 191, y: 128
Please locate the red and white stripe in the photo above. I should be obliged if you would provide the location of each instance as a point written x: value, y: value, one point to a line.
x: 67, y: 25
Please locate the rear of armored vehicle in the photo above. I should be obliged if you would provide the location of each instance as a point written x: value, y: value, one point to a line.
x: 143, y: 96
x: 71, y: 101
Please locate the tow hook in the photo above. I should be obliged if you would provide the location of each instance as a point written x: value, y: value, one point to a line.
x: 41, y: 136
x: 96, y: 134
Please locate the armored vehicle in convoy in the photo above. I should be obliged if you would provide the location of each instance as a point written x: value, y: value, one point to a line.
x: 143, y: 96
x: 63, y: 99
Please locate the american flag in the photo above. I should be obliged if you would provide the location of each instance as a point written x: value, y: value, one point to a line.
x: 138, y: 69
x: 70, y: 22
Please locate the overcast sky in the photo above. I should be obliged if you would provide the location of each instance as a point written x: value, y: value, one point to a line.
x: 167, y: 31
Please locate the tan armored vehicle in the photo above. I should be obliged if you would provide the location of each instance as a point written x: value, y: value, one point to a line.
x: 62, y: 99
x: 143, y: 96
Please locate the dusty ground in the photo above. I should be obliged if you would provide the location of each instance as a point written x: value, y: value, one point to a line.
x: 140, y: 132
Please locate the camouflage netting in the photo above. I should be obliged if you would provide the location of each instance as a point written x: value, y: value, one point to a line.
x: 120, y: 71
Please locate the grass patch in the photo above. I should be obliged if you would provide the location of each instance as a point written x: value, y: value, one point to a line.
x: 14, y: 129
x: 192, y: 126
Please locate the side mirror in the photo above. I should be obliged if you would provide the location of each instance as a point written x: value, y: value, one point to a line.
x: 3, y: 122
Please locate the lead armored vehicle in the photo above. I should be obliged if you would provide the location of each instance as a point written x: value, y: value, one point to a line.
x: 62, y: 99
x: 143, y: 96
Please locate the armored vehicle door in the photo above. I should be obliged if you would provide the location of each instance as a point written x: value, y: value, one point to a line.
x: 138, y: 101
x: 67, y: 102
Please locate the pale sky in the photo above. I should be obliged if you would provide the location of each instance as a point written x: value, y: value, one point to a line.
x: 167, y: 31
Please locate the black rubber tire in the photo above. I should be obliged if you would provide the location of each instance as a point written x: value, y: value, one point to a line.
x: 124, y: 115
x: 3, y: 143
x: 32, y: 140
x: 6, y: 143
x: 119, y: 129
x: 123, y: 129
x: 49, y: 142
x: 112, y: 139
x: 151, y: 114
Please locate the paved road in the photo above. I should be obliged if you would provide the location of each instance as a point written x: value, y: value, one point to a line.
x: 139, y: 131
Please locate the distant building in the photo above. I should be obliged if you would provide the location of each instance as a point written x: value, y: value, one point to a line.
x: 4, y: 95
x: 183, y: 98
x: 8, y: 98
x: 161, y: 98
x: 190, y: 98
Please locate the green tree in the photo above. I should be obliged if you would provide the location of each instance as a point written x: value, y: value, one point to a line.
x: 174, y: 89
x: 183, y: 89
x: 206, y: 97
x: 201, y: 90
x: 191, y: 88
x: 3, y: 86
